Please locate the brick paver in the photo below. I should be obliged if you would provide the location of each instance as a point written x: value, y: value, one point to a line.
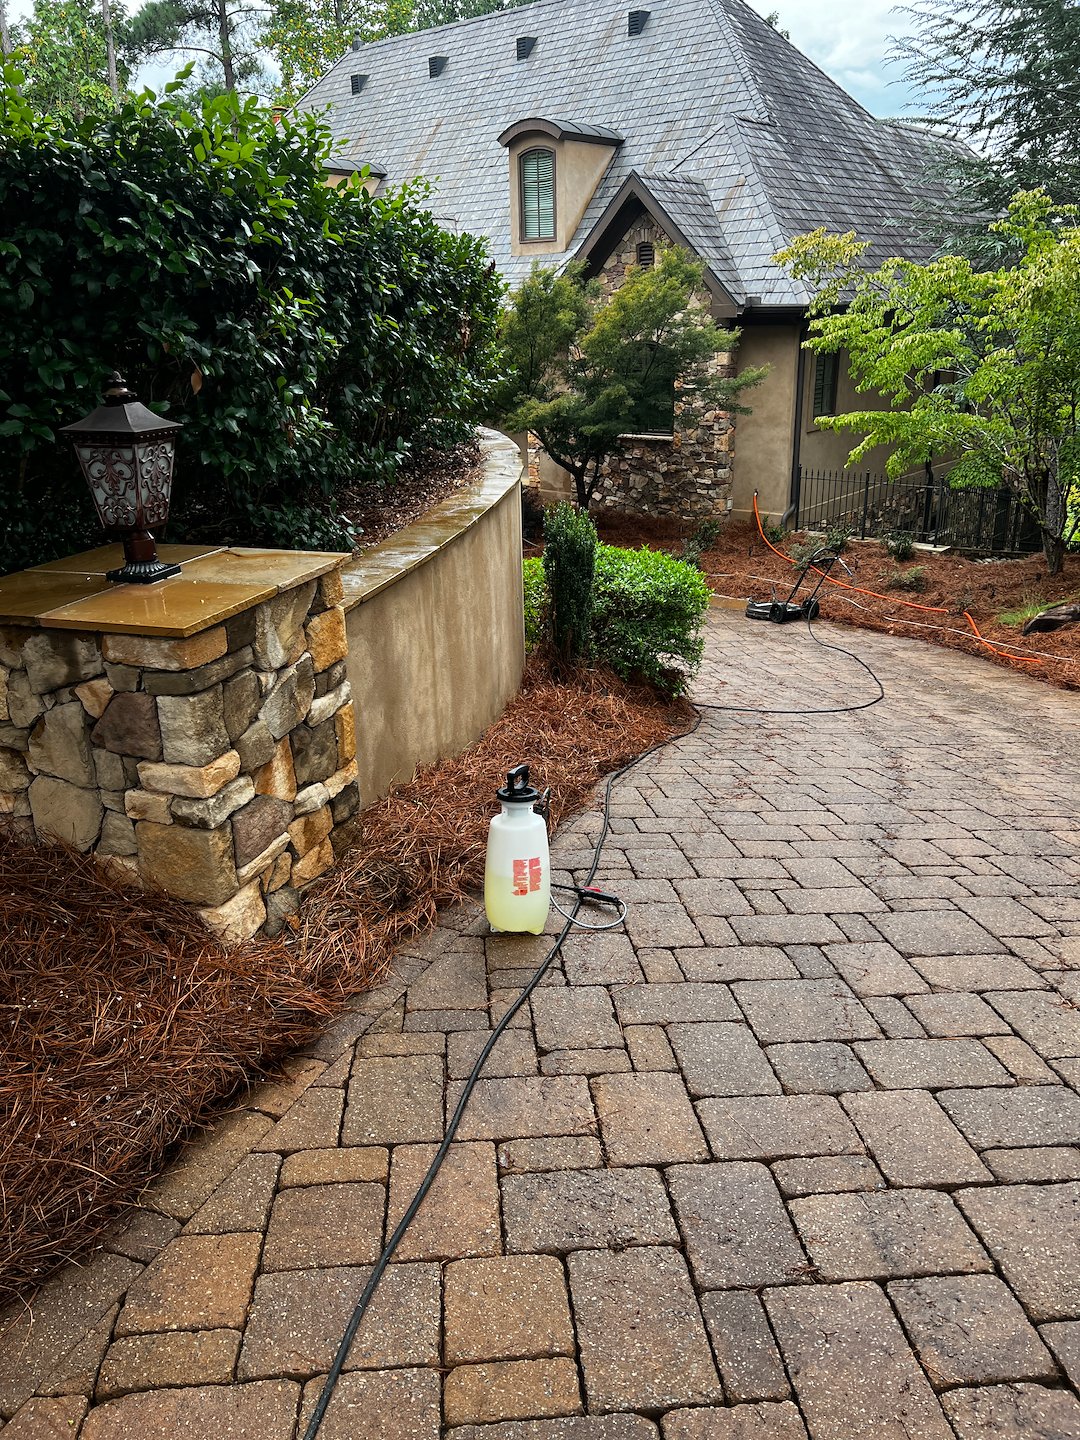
x: 794, y: 1157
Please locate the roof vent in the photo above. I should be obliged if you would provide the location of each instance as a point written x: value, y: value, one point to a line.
x: 646, y: 254
x: 437, y: 64
x: 636, y: 21
x: 357, y: 83
x: 526, y: 44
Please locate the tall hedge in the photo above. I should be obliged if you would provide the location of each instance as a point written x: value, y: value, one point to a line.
x: 307, y: 337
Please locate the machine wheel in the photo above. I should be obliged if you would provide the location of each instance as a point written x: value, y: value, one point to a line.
x: 776, y: 612
x: 811, y: 609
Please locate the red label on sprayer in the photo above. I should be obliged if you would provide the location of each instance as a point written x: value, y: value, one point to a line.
x: 527, y: 876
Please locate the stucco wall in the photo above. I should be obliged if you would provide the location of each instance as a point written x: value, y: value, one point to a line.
x: 579, y: 168
x: 763, y: 458
x: 436, y: 628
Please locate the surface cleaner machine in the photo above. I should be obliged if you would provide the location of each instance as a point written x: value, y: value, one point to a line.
x: 781, y: 611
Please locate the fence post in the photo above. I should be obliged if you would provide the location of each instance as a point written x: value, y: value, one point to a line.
x: 865, y: 504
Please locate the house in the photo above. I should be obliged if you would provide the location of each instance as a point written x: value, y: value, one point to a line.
x: 599, y: 129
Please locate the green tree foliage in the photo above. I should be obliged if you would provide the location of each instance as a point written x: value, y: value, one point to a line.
x: 648, y: 613
x: 569, y: 563
x: 1003, y: 78
x: 307, y: 337
x: 980, y: 365
x: 583, y: 371
x: 224, y: 39
x: 62, y: 51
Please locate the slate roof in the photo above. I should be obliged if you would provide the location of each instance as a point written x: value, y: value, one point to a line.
x: 740, y: 137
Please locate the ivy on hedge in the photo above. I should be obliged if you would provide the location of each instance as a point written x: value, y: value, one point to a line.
x: 307, y: 337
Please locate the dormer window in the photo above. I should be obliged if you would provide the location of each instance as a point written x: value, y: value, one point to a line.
x: 537, y: 171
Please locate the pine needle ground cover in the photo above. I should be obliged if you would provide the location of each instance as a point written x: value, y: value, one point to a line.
x: 124, y: 1024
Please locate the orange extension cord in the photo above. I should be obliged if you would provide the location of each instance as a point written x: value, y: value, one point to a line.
x: 895, y: 600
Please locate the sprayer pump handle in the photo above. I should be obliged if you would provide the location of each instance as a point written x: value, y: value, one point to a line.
x: 518, y: 790
x: 518, y: 778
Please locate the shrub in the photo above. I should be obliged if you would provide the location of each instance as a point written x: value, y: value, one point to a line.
x: 774, y: 531
x: 536, y: 603
x: 913, y: 579
x: 703, y: 538
x: 307, y: 337
x: 837, y: 537
x: 648, y: 613
x: 900, y: 544
x: 569, y: 565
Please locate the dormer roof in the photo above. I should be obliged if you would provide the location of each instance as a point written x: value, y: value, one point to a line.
x: 561, y: 130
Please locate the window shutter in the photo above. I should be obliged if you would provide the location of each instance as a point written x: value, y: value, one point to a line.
x: 826, y: 369
x: 538, y: 195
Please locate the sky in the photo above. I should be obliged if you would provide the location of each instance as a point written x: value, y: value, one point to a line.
x: 849, y: 42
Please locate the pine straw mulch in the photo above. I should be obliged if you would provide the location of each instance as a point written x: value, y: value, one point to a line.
x: 741, y: 565
x: 123, y: 1024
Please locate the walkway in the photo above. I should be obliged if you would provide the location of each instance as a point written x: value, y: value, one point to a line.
x: 798, y: 1155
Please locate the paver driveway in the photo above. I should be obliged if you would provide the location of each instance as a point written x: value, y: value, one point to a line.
x: 799, y: 1153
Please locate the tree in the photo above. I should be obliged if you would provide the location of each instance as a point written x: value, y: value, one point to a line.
x: 981, y: 365
x: 582, y: 371
x: 63, y: 49
x: 1003, y: 78
x: 225, y: 36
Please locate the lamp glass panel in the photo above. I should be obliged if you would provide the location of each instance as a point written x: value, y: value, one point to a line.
x: 111, y: 473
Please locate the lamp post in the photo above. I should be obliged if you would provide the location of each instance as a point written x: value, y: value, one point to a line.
x: 126, y: 454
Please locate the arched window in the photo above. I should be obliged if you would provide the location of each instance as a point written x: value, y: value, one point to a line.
x: 537, y: 168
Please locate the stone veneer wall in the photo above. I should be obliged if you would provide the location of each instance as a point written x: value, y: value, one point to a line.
x: 220, y: 768
x: 689, y: 476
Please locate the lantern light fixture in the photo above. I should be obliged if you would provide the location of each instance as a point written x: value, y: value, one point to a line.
x: 126, y: 455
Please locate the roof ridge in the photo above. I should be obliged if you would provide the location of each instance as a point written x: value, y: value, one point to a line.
x: 747, y: 72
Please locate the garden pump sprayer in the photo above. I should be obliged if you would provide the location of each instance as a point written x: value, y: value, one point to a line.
x: 517, y: 880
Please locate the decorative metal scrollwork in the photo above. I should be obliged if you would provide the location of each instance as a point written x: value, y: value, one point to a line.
x: 155, y: 480
x: 111, y: 473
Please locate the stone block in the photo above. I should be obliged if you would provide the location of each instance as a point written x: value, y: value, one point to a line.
x: 311, y: 830
x: 378, y: 1405
x: 969, y: 1330
x: 187, y: 682
x: 324, y: 1225
x: 152, y: 1362
x: 1013, y: 1412
x: 289, y: 699
x: 13, y: 772
x: 198, y: 781
x: 824, y: 1068
x: 262, y: 1411
x: 561, y: 1152
x: 122, y: 677
x: 329, y: 704
x: 242, y: 1202
x: 208, y: 814
x: 506, y: 1308
x: 774, y: 1127
x: 280, y: 907
x: 24, y: 706
x: 147, y: 805
x: 263, y: 861
x: 95, y: 696
x: 117, y: 835
x: 1033, y: 1232
x: 48, y: 1418
x: 315, y: 863
x: 642, y: 1340
x: 558, y: 1211
x: 1025, y: 1115
x: 344, y: 807
x: 913, y: 1140
x: 506, y: 1390
x: 519, y: 1106
x: 460, y: 1216
x: 337, y: 782
x: 193, y: 727
x: 930, y: 1064
x: 577, y: 1018
x: 129, y: 726
x: 827, y: 1174
x: 647, y: 1119
x: 54, y: 658
x: 279, y: 623
x: 198, y: 1282
x: 241, y: 630
x: 66, y: 812
x: 395, y: 1099
x: 722, y: 1060
x: 298, y: 1316
x: 779, y: 1010
x: 255, y: 747
x: 257, y: 825
x: 109, y: 770
x: 746, y: 1353
x: 853, y: 1371
x: 726, y: 1255
x: 277, y: 777
x: 315, y: 753
x: 330, y: 590
x: 326, y: 638
x: 60, y: 745
x: 239, y: 918
x: 154, y: 653
x: 887, y: 1235
x: 195, y: 865
x: 312, y: 797
x: 241, y: 699
x: 12, y: 737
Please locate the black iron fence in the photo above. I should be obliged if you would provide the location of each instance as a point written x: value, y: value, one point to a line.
x: 871, y: 506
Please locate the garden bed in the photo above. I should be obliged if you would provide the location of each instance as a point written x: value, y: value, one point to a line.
x: 125, y: 1024
x: 998, y: 594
